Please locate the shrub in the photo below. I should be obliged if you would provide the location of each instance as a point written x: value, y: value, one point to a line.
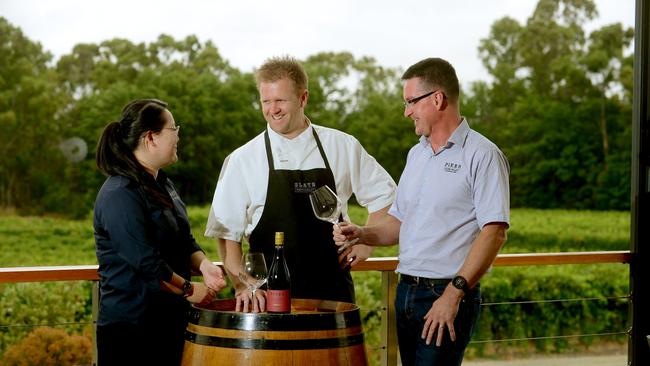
x: 53, y: 241
x: 26, y: 305
x: 564, y: 303
x: 47, y: 346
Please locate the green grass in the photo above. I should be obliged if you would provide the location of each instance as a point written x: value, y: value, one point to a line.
x: 39, y: 241
x: 534, y: 230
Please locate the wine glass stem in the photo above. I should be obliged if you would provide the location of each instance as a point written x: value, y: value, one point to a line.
x: 347, y: 244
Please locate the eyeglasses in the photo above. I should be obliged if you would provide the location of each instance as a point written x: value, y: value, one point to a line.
x: 411, y: 102
x: 175, y: 128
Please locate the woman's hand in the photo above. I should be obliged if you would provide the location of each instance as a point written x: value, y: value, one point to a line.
x: 201, y: 294
x: 213, y: 276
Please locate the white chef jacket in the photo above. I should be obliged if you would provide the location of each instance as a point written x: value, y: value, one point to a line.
x: 240, y: 194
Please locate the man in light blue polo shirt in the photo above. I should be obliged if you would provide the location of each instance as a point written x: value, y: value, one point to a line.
x: 450, y: 216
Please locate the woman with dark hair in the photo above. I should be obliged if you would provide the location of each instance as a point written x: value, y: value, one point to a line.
x: 145, y: 249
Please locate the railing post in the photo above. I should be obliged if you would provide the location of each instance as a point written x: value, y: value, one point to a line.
x: 388, y: 324
x: 638, y: 347
x: 95, y: 310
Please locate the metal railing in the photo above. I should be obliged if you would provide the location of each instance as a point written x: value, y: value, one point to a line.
x: 385, y: 265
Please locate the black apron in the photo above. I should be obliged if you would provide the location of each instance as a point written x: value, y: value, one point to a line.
x: 310, y: 251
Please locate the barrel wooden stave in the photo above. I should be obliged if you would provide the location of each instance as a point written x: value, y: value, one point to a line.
x: 199, y: 356
x: 316, y: 332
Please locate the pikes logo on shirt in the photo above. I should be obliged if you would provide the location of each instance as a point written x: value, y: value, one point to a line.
x: 302, y: 187
x: 452, y: 167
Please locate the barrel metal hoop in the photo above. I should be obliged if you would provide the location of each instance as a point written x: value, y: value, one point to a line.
x: 274, y: 344
x: 275, y: 322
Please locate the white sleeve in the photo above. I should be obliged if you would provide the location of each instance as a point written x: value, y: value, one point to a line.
x: 227, y: 218
x: 373, y: 187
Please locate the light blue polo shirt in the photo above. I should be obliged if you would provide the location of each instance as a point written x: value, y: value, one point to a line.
x: 444, y: 200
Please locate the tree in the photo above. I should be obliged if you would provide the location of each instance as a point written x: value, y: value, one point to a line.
x: 215, y: 103
x: 29, y: 132
x: 363, y: 99
x: 557, y: 106
x: 603, y: 61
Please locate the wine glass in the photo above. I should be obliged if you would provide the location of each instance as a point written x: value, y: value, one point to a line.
x: 254, y: 273
x: 327, y: 207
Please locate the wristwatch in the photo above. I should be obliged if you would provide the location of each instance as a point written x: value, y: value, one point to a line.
x: 188, y: 288
x: 460, y: 283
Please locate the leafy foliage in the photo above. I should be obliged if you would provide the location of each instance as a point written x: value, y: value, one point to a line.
x: 24, y: 306
x: 558, y: 104
x: 570, y: 302
x: 28, y: 101
x: 32, y: 241
x: 47, y: 346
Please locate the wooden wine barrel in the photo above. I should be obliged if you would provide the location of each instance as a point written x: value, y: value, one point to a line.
x: 316, y: 332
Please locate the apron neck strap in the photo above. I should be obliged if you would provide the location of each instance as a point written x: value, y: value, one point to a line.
x: 269, y: 153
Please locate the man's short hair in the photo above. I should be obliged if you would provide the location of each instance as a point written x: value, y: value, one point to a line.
x: 276, y: 68
x: 436, y: 73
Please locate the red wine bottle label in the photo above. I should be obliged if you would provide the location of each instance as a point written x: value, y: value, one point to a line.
x: 278, y: 301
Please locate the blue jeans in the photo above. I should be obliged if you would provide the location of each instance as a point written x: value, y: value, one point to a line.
x: 412, y: 302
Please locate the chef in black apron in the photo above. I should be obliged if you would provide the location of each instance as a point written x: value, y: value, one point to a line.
x: 283, y: 204
x: 310, y: 251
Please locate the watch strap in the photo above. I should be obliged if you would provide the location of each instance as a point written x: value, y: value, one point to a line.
x: 460, y: 283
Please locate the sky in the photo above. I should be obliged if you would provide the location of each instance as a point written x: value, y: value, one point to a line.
x: 247, y: 32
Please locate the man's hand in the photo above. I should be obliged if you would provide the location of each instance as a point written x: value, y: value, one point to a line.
x: 346, y: 231
x: 441, y: 316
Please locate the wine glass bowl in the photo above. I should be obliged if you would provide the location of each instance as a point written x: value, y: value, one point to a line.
x: 325, y: 204
x: 327, y: 207
x: 254, y: 273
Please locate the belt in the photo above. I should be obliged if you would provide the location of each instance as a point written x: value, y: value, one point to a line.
x: 427, y: 282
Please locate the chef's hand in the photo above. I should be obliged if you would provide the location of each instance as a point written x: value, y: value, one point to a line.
x: 245, y: 302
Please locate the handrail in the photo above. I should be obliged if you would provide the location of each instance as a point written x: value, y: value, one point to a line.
x: 89, y: 272
x: 386, y: 265
x: 49, y: 273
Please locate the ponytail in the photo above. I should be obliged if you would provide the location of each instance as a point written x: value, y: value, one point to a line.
x: 114, y: 155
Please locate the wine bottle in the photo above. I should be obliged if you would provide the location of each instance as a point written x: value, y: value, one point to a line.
x: 278, y: 294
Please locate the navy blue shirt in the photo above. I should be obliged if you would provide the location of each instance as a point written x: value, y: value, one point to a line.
x: 140, y: 242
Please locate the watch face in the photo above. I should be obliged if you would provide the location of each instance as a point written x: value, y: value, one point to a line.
x: 187, y: 288
x: 459, y: 283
